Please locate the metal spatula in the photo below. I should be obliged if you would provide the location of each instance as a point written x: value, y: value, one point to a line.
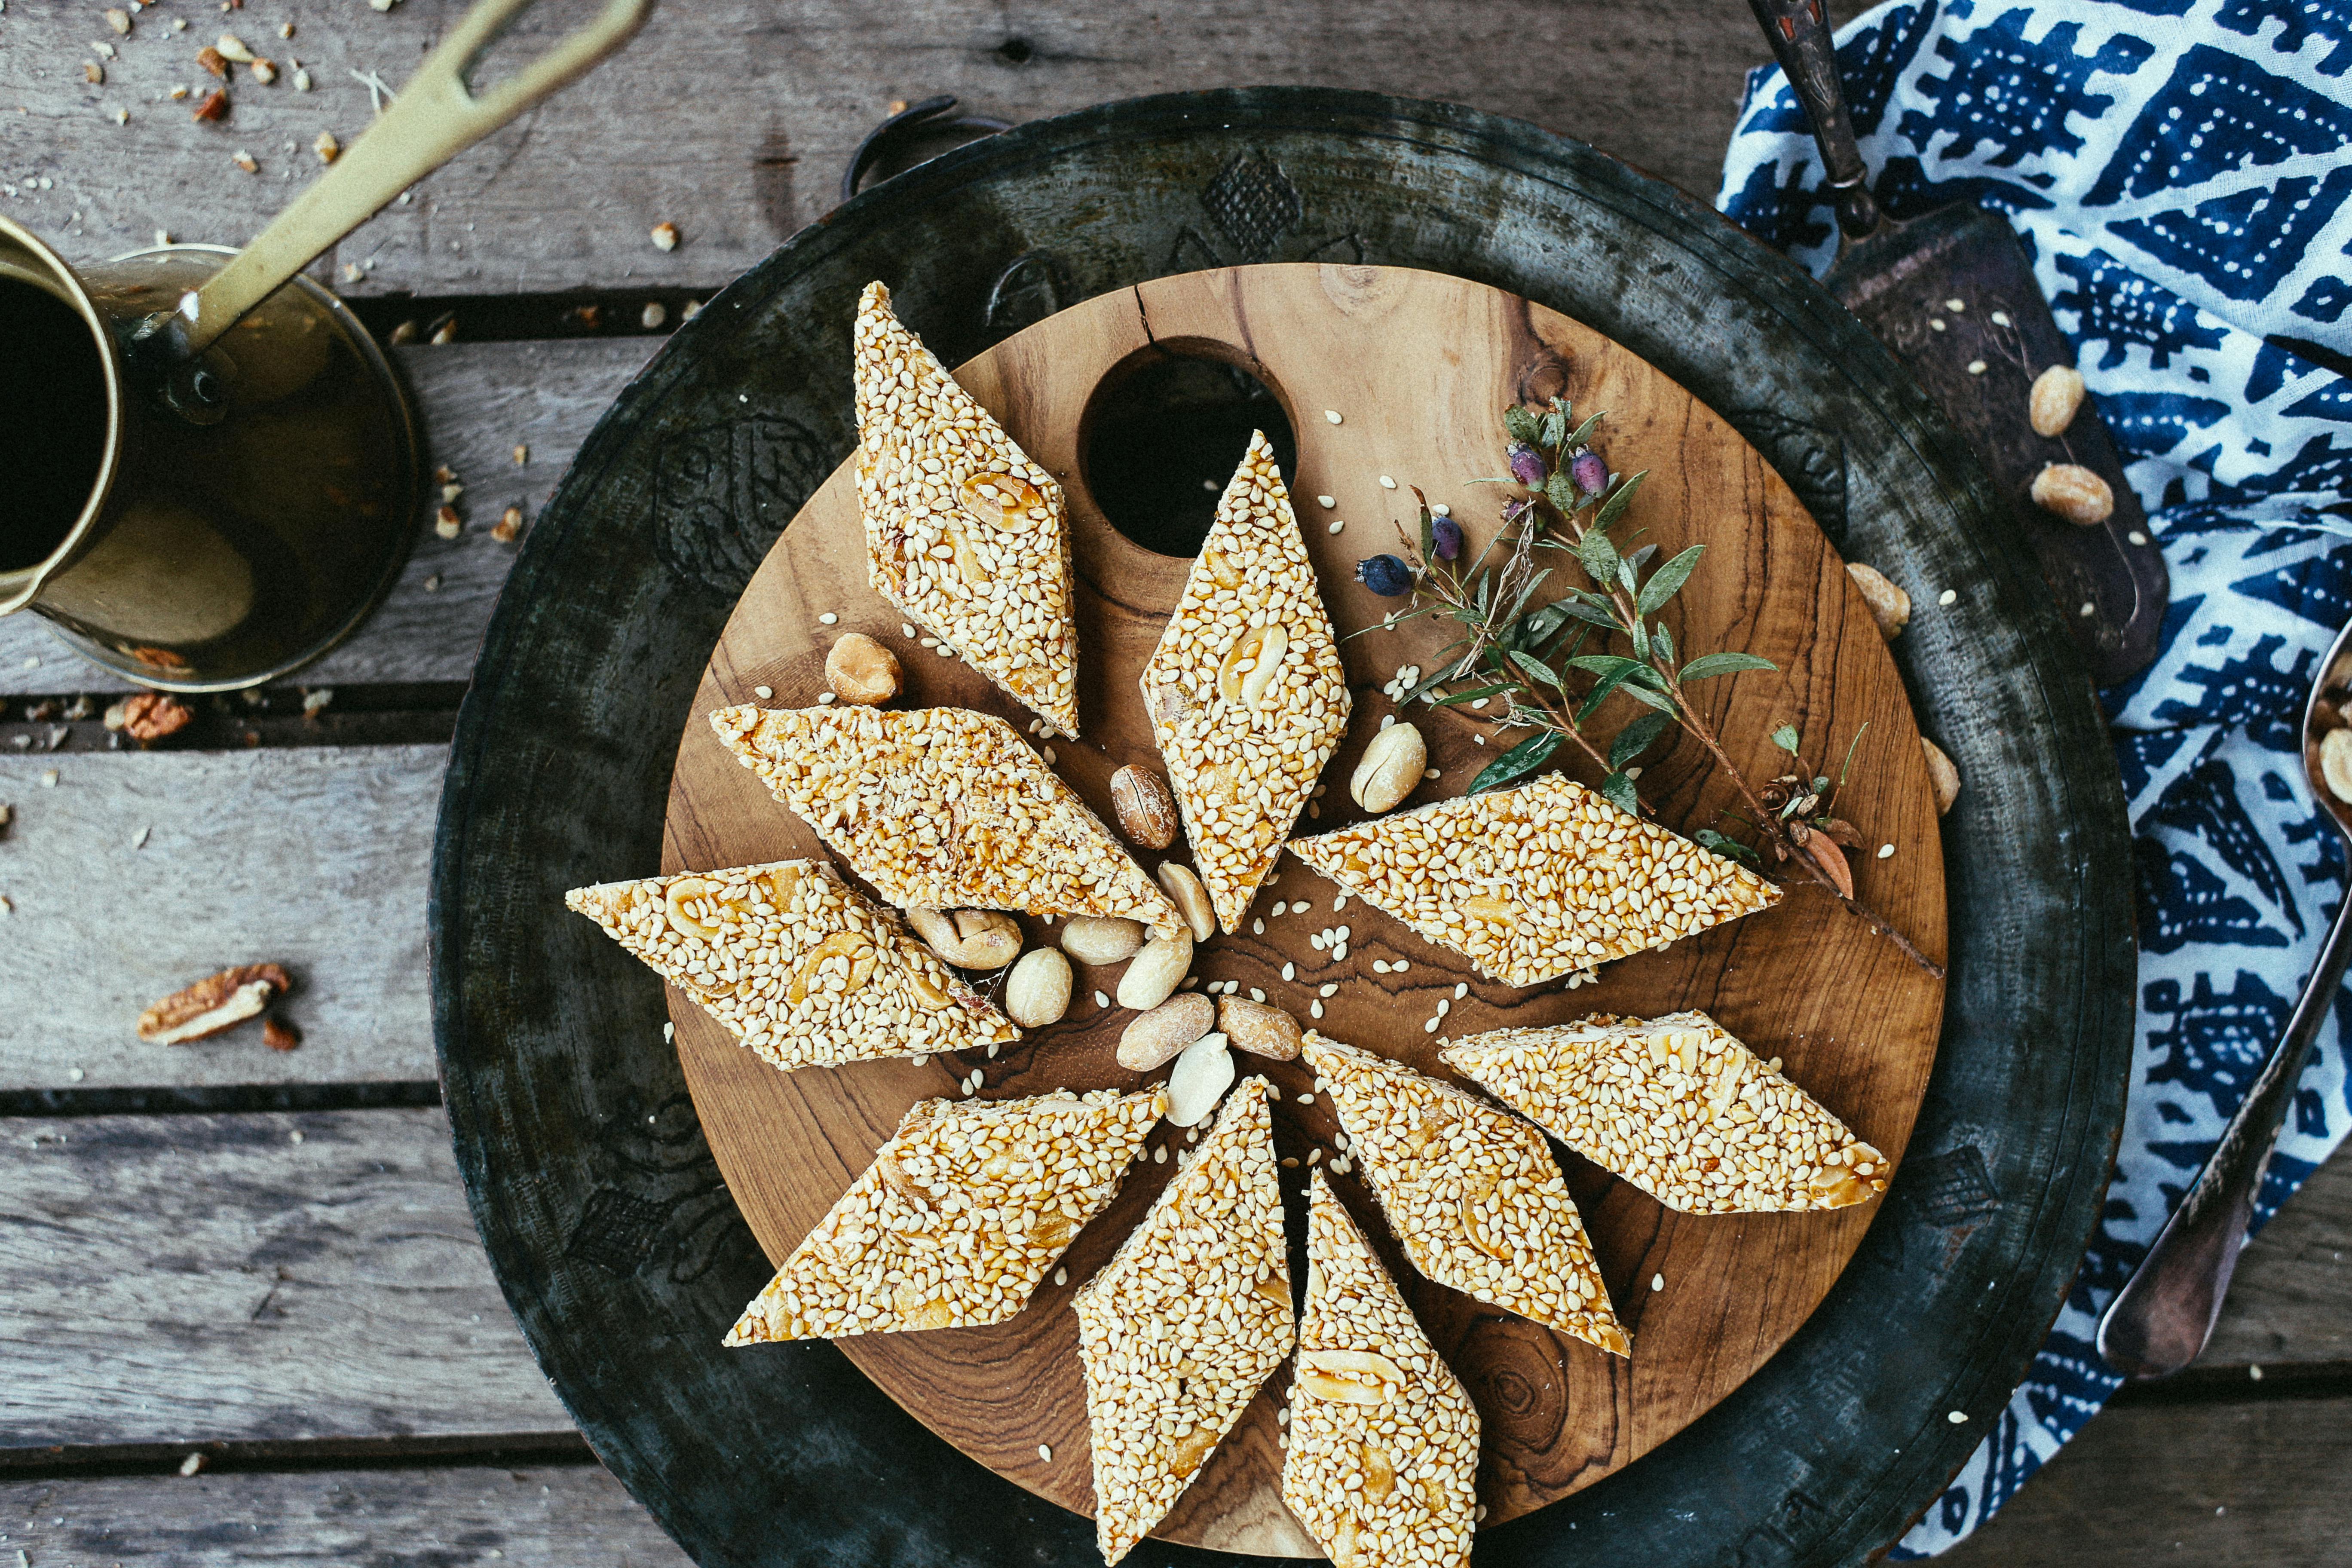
x: 1953, y: 294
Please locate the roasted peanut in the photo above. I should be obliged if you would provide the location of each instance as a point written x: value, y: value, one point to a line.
x: 1038, y: 993
x: 2073, y: 492
x: 1191, y: 900
x: 1147, y: 812
x: 1390, y: 769
x: 2057, y: 394
x: 861, y: 671
x: 1152, y: 978
x: 1942, y: 776
x: 1261, y: 1030
x: 1101, y: 938
x: 1890, y: 606
x: 1154, y: 1038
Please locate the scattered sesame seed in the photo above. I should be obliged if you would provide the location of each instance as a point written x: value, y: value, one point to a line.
x: 1937, y: 325
x: 1884, y: 850
x: 1461, y: 990
x: 1948, y: 596
x: 1044, y: 1451
x: 1430, y: 774
x: 1657, y: 1281
x: 906, y: 630
x: 1324, y: 501
x: 2001, y: 318
x: 1401, y: 965
x: 1976, y: 367
x: 825, y: 698
x: 1290, y: 972
x: 1160, y: 1156
x: 1379, y: 966
x: 1101, y: 1000
x: 2137, y: 537
x: 2088, y: 609
x: 763, y: 692
x: 1957, y: 307
x: 1430, y: 1028
x: 1331, y: 416
x: 1338, y: 951
x: 1257, y: 928
x: 828, y: 619
x: 1338, y: 524
x: 1439, y: 508
x: 1327, y: 991
x: 1315, y: 1009
x: 1387, y: 483
x: 1256, y: 995
x: 1306, y: 1099
x: 1958, y: 1417
x: 1050, y: 758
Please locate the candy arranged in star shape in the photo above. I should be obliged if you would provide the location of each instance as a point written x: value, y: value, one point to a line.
x: 963, y: 531
x: 1678, y: 1107
x: 1472, y: 1191
x: 958, y: 1217
x: 1381, y: 1458
x: 796, y: 965
x: 1245, y: 692
x: 1184, y: 1323
x: 1532, y: 883
x: 944, y: 809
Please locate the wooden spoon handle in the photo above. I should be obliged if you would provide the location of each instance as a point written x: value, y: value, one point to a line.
x: 435, y: 117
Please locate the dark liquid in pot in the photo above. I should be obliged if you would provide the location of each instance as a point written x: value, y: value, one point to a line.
x: 52, y: 421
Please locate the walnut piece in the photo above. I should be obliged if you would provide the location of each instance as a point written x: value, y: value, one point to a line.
x: 212, y: 1004
x: 149, y: 716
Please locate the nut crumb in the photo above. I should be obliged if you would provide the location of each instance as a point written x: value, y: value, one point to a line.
x: 246, y: 161
x: 664, y: 235
x: 508, y: 525
x: 447, y: 523
x: 279, y: 1034
x: 264, y: 71
x: 326, y: 147
x: 521, y: 454
x: 213, y: 107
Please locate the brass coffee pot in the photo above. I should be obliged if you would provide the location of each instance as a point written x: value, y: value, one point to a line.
x: 214, y: 475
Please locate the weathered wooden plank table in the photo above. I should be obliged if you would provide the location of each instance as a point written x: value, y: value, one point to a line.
x: 266, y: 1259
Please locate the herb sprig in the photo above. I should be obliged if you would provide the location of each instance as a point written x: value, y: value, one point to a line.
x: 1554, y: 664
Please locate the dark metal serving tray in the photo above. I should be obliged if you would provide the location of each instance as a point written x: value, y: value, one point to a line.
x: 617, y: 1245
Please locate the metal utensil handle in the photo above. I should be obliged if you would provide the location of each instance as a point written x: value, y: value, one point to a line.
x: 1799, y: 33
x: 2160, y: 1322
x: 435, y: 117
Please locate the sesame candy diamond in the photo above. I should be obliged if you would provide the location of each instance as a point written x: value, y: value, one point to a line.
x: 1245, y: 690
x: 1471, y: 1193
x: 798, y: 967
x: 1381, y: 1459
x: 1185, y: 1322
x: 963, y: 531
x: 1534, y: 882
x: 943, y: 809
x: 958, y: 1219
x: 1681, y: 1109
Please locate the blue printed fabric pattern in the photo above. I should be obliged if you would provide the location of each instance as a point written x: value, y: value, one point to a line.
x: 2180, y: 171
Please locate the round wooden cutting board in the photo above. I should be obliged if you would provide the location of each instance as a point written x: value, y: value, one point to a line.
x: 1419, y: 366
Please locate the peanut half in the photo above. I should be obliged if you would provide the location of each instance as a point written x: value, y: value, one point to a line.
x: 1038, y: 993
x: 2057, y: 394
x: 1191, y: 900
x: 861, y: 671
x: 1152, y: 978
x: 1147, y: 812
x: 1890, y: 606
x: 2073, y: 492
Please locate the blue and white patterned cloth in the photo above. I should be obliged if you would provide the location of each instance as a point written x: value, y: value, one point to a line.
x: 2181, y: 171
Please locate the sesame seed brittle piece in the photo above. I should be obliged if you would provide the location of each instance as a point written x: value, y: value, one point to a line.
x: 1184, y: 1324
x: 1245, y: 692
x: 963, y: 531
x: 943, y: 809
x: 1534, y: 882
x: 1381, y: 1464
x: 958, y: 1219
x: 1681, y: 1109
x: 801, y: 968
x: 1471, y: 1192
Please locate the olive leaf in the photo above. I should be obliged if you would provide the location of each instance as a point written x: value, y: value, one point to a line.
x: 1707, y: 665
x: 1522, y: 423
x: 1519, y: 761
x: 1619, y: 791
x: 1600, y: 556
x: 1786, y: 737
x: 1614, y: 507
x: 1667, y: 581
x: 1708, y: 838
x: 1635, y: 738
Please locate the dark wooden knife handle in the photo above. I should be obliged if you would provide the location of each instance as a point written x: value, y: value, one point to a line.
x: 1800, y: 34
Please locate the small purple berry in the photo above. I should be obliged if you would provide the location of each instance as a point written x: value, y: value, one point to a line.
x: 1447, y: 535
x: 1526, y: 464
x: 1385, y: 576
x: 1591, y: 474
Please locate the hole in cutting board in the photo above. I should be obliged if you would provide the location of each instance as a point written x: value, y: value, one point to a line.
x: 1164, y: 432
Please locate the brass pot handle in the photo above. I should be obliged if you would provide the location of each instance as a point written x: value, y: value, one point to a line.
x: 432, y: 120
